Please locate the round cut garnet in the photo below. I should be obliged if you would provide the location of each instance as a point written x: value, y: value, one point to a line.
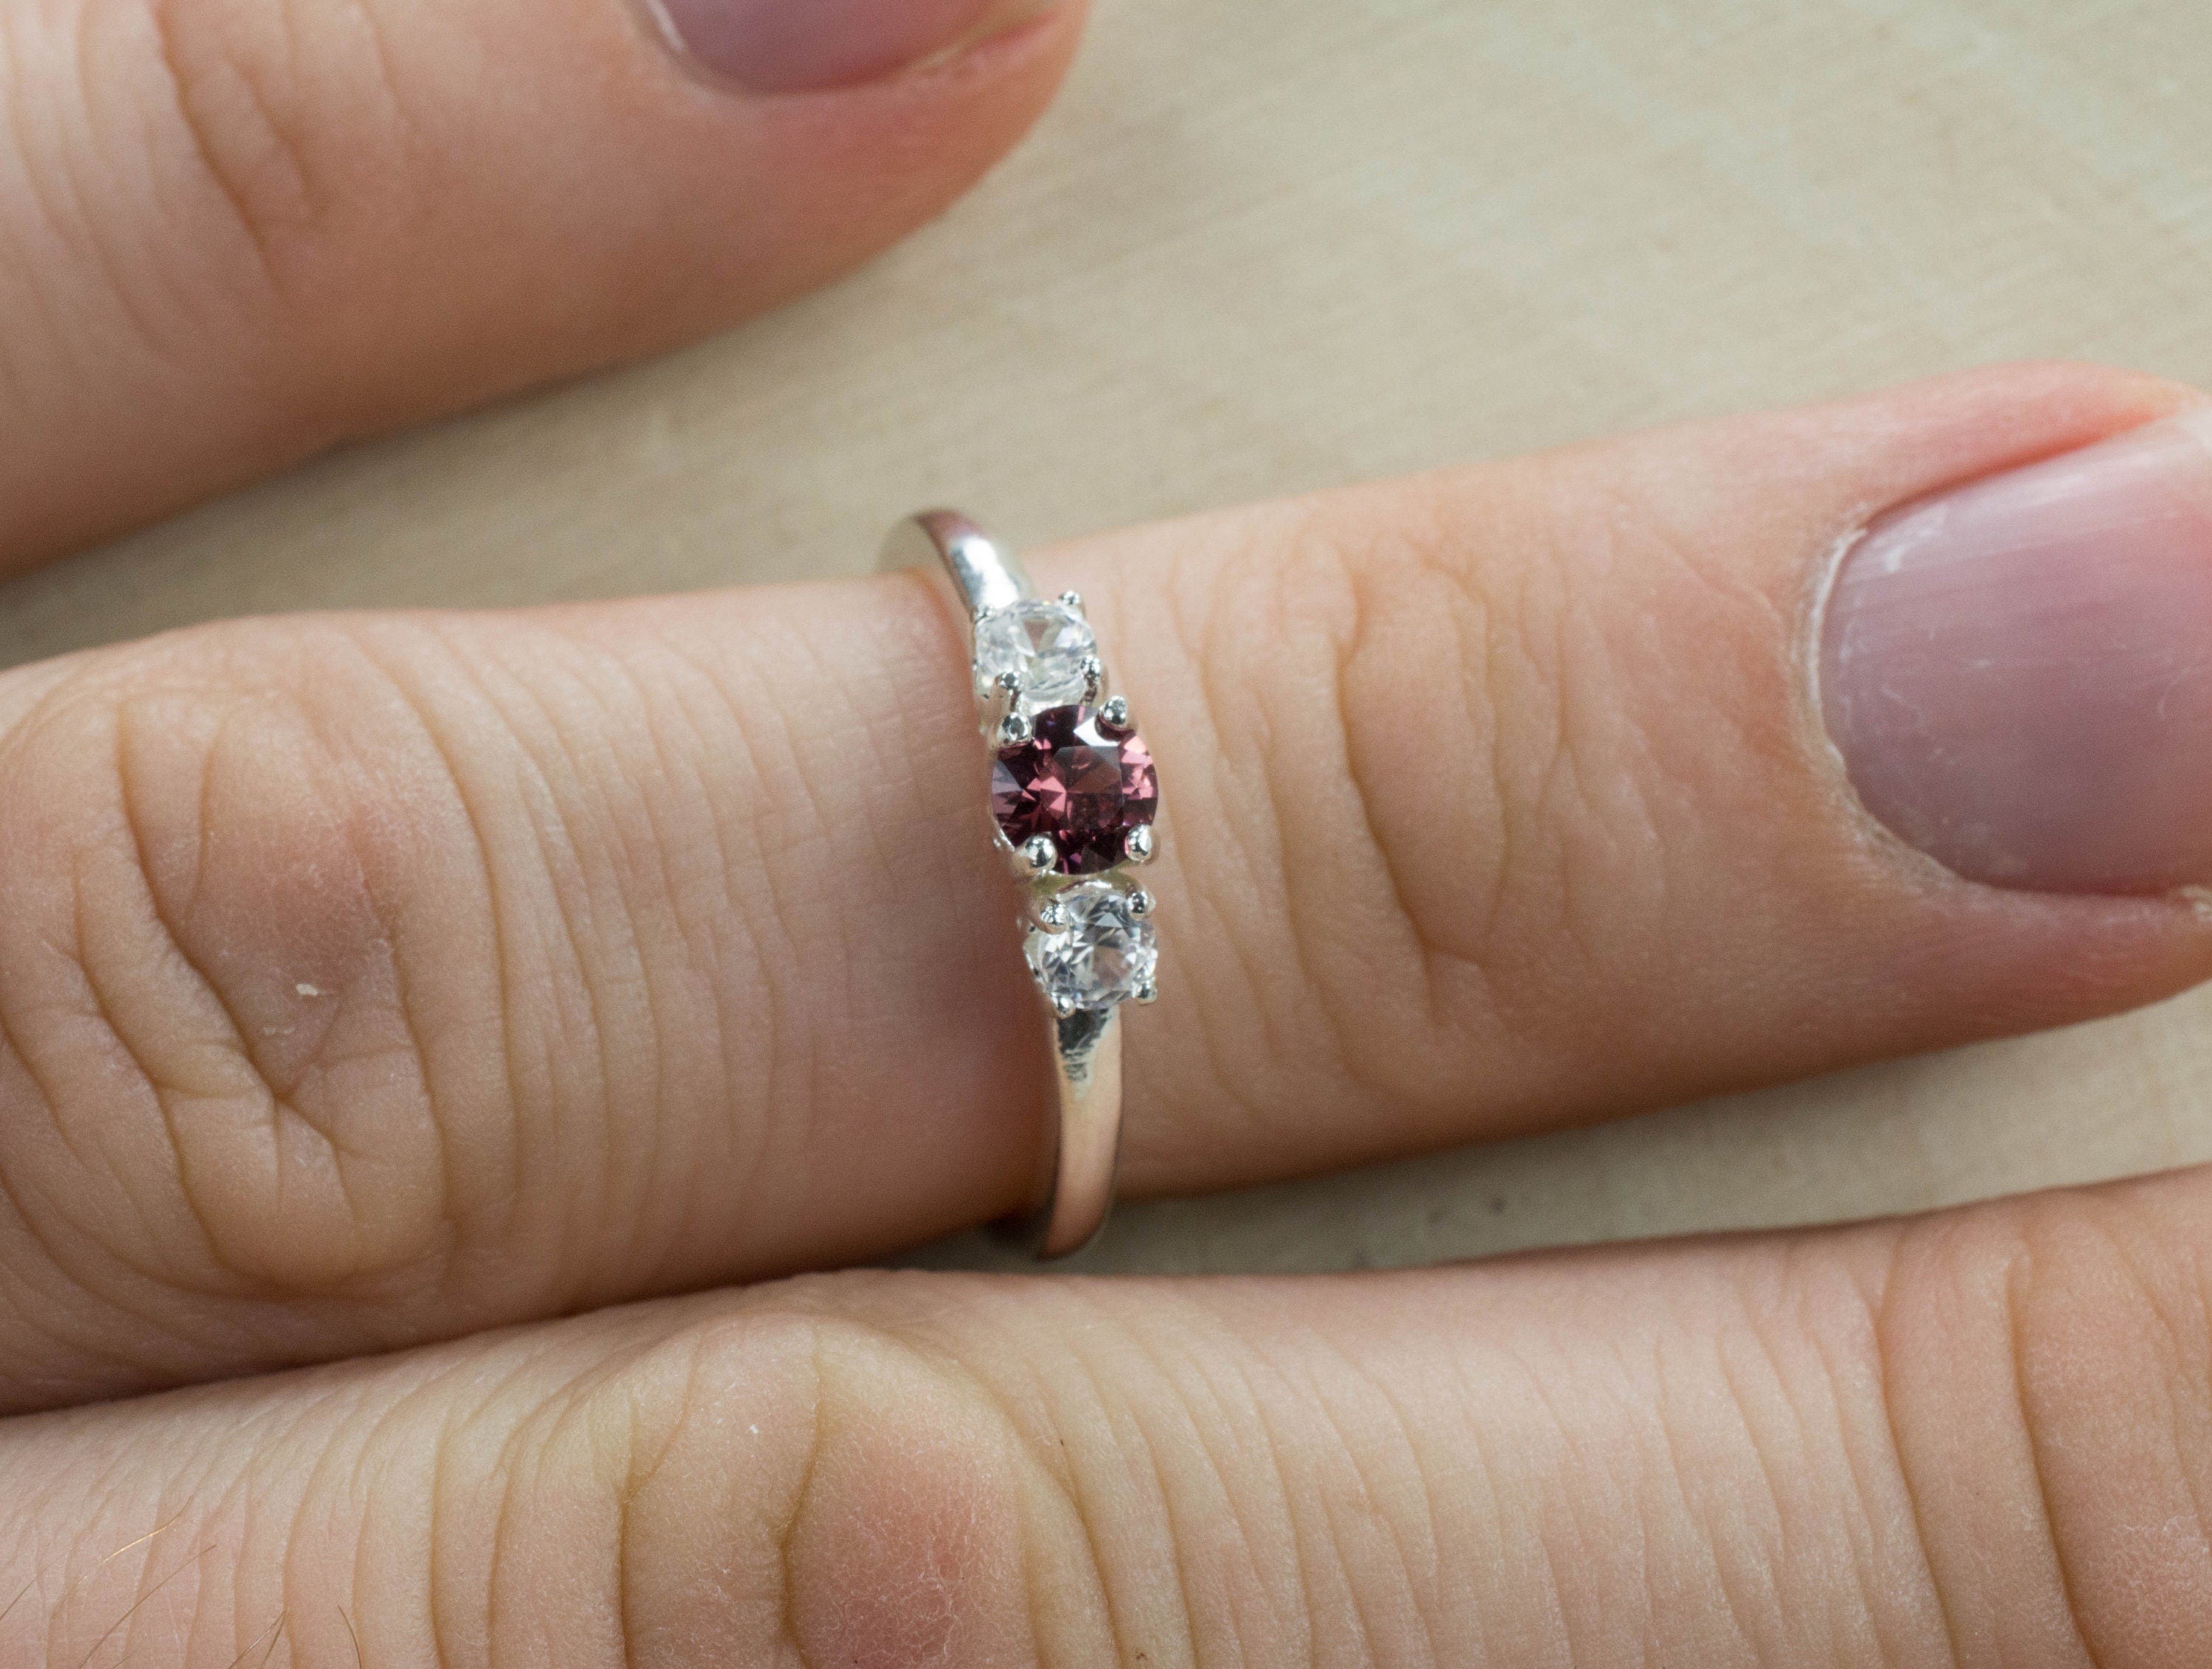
x: 1079, y: 784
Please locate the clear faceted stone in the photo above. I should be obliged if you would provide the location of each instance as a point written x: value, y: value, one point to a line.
x: 1105, y: 954
x: 1042, y: 643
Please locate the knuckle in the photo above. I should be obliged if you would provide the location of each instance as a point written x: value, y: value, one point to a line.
x: 874, y: 1504
x: 1318, y: 855
x: 200, y: 989
x: 1480, y: 713
x: 285, y: 111
x: 1430, y: 710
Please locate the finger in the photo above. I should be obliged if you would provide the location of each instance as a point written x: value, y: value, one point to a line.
x: 367, y: 979
x: 239, y: 230
x: 1979, y: 1439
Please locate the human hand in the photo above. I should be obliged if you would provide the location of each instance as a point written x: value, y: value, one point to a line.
x: 378, y: 981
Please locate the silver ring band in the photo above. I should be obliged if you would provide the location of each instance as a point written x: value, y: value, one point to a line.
x: 1073, y: 800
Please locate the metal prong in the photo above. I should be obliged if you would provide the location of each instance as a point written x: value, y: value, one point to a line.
x: 1113, y: 717
x: 1072, y: 599
x: 1139, y: 843
x: 1147, y: 992
x: 1014, y: 730
x: 1038, y: 856
x: 999, y: 697
x: 1063, y: 1005
x: 1052, y: 916
x: 1094, y: 679
x: 1141, y: 903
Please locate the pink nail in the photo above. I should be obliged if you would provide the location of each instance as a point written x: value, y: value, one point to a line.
x: 805, y: 45
x: 2018, y: 673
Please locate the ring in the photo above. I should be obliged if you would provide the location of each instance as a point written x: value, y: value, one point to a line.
x: 1074, y: 797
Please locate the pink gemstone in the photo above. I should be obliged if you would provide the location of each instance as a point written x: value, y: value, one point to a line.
x: 1073, y: 781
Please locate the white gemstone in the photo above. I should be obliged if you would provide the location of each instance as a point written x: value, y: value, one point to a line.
x: 1042, y: 643
x: 1105, y: 955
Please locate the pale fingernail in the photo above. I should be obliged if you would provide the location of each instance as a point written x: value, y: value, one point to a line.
x: 807, y: 46
x: 2018, y: 673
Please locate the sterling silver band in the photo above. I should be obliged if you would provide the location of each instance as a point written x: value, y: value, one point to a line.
x: 1073, y: 796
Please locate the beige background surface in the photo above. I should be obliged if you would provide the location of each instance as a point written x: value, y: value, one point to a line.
x: 1264, y: 246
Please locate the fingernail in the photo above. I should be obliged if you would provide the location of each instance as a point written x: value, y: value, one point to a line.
x: 808, y: 45
x: 2018, y: 673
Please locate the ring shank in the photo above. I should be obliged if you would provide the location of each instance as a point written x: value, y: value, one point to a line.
x: 1080, y: 1148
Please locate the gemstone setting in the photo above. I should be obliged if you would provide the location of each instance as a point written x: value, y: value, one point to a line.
x: 1045, y: 645
x: 1104, y: 952
x: 1083, y: 788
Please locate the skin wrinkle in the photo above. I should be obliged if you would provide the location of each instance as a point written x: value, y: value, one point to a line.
x: 272, y: 1634
x: 1249, y: 1415
x: 453, y: 1420
x: 1585, y: 1463
x: 565, y: 868
x: 285, y: 1113
x: 393, y: 1424
x: 573, y: 972
x: 1426, y: 1565
x: 1201, y: 624
x: 1429, y: 543
x: 1712, y: 1576
x: 772, y: 942
x: 2180, y: 1356
x: 1369, y: 1499
x: 817, y: 1438
x: 1865, y: 1566
x: 1884, y: 1305
x: 294, y: 1537
x: 1563, y: 800
x: 284, y: 1094
x: 156, y: 1278
x: 1750, y: 1620
x: 2018, y: 1269
x: 45, y: 229
x: 1175, y: 1521
x: 2022, y: 1278
x: 593, y: 803
x: 643, y: 863
x: 31, y: 1223
x: 1037, y: 1432
x: 202, y: 140
x: 1219, y: 1433
x: 1767, y: 1337
x: 146, y: 1565
x: 1637, y: 544
x: 1824, y: 1406
x: 792, y: 1045
x: 1467, y: 1404
x: 1305, y: 554
x: 571, y: 1408
x: 1422, y: 545
x: 415, y: 1023
x: 670, y: 765
x: 1426, y: 951
x: 117, y: 273
x: 507, y: 1467
x: 723, y: 942
x: 636, y: 1480
x: 440, y: 748
x: 734, y: 897
x: 145, y: 1597
x: 1126, y: 1426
